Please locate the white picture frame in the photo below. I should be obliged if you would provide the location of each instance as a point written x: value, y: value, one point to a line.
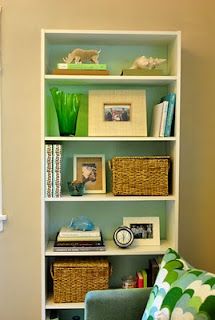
x: 146, y: 229
x: 90, y: 168
x: 132, y: 100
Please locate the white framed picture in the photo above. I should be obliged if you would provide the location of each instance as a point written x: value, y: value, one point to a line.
x: 90, y: 169
x: 117, y: 113
x: 146, y: 230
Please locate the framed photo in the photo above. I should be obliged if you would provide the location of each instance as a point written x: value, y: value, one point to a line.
x: 90, y: 169
x: 117, y: 113
x: 146, y: 230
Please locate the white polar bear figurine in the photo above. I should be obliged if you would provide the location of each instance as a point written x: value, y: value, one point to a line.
x: 80, y: 55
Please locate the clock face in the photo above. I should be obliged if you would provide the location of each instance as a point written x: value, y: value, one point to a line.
x: 123, y: 237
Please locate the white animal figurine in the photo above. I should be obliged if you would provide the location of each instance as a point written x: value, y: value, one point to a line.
x: 146, y: 63
x: 79, y: 56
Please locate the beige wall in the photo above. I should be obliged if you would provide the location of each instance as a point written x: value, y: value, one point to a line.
x: 22, y: 21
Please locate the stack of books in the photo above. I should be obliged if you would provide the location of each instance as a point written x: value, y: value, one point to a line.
x: 71, y: 240
x: 81, y: 69
x: 163, y: 116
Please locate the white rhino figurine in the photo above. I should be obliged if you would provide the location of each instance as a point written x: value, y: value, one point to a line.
x: 79, y: 56
x: 146, y: 63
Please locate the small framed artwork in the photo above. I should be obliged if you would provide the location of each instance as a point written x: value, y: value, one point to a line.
x: 117, y: 113
x: 90, y: 169
x: 146, y: 230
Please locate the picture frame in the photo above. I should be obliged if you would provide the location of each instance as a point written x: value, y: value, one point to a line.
x: 146, y: 230
x: 90, y: 168
x: 117, y: 113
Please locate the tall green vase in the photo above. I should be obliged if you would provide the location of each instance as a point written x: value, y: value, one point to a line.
x: 67, y: 107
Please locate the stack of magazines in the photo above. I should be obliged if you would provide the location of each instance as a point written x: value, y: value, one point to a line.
x: 69, y: 239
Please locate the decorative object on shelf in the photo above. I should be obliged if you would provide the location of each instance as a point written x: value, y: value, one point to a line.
x: 82, y: 223
x: 80, y: 55
x: 123, y: 237
x: 117, y: 113
x: 129, y: 282
x: 90, y: 169
x: 67, y: 107
x: 76, y: 188
x: 150, y: 63
x: 146, y: 230
x: 53, y: 315
x: 146, y: 176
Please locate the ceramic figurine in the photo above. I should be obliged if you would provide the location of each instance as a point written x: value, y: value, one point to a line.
x: 79, y: 56
x: 76, y: 188
x: 146, y: 63
x: 82, y: 223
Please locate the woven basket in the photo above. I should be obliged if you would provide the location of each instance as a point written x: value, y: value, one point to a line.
x: 140, y: 175
x: 73, y: 278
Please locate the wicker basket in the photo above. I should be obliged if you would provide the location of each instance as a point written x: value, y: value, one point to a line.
x: 73, y: 278
x: 140, y: 175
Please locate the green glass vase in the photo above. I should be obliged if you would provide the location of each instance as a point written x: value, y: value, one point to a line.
x: 67, y: 107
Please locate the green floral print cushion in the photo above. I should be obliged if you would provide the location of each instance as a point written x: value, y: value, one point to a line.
x: 181, y: 292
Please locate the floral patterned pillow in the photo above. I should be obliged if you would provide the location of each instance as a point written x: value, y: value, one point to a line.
x: 181, y: 292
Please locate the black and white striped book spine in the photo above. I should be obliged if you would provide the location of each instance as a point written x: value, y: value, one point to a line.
x: 57, y: 159
x: 48, y: 170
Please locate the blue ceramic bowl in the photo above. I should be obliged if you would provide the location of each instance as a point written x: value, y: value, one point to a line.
x: 76, y: 189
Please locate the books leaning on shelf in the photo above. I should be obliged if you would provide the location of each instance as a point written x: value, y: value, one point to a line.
x: 141, y: 277
x: 171, y: 99
x: 159, y: 119
x: 48, y: 170
x: 163, y: 116
x: 154, y: 266
x: 53, y: 159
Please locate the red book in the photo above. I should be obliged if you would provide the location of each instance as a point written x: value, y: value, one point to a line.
x: 140, y: 282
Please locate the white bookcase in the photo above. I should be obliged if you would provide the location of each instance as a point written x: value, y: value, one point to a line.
x: 118, y: 49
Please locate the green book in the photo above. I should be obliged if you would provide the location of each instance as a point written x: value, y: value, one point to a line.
x: 82, y: 66
x: 142, y: 72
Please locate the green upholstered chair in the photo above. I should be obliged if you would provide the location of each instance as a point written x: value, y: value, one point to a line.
x: 116, y: 304
x: 180, y: 292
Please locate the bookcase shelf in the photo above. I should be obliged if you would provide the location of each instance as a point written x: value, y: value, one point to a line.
x: 51, y: 305
x: 104, y: 80
x: 109, y: 197
x: 113, y: 250
x: 64, y: 139
x: 106, y: 210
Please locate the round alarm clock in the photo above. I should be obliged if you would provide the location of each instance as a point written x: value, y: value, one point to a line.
x: 123, y: 237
